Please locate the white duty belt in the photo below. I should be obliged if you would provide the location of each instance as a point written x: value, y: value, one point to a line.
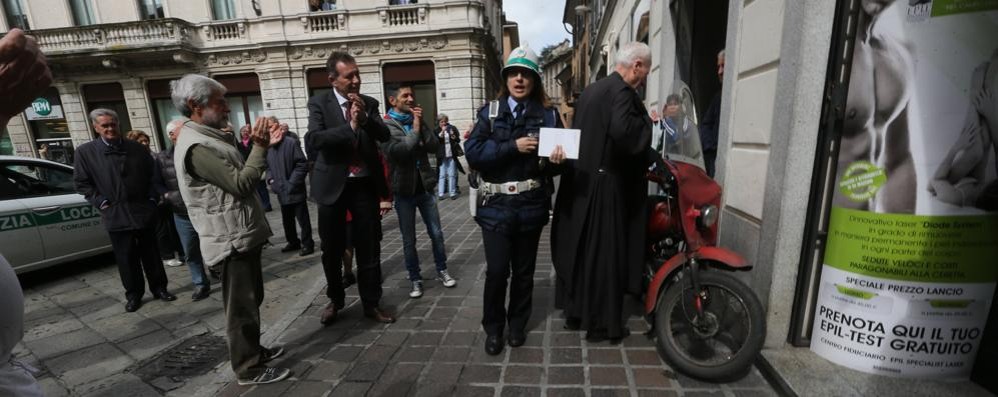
x: 515, y: 187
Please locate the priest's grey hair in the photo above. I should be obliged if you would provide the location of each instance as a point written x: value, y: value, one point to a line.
x: 94, y: 114
x: 633, y: 51
x: 193, y: 87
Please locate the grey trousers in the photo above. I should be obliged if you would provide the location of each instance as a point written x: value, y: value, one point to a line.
x: 242, y: 294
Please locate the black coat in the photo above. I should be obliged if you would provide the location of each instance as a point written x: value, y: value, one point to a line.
x: 330, y: 142
x: 287, y: 168
x: 123, y: 177
x: 455, y: 146
x: 491, y: 150
x: 168, y: 187
x: 598, y: 227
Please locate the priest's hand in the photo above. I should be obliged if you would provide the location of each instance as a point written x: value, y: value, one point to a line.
x: 557, y: 155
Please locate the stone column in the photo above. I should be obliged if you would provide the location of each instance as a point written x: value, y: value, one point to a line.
x: 137, y: 103
x: 276, y: 92
x: 76, y: 117
x: 20, y: 137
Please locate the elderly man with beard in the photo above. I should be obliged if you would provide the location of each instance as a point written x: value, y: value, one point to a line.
x: 219, y: 189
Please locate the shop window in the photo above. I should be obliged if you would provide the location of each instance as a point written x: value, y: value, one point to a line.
x: 6, y: 146
x: 321, y: 5
x: 16, y: 18
x: 107, y: 96
x: 151, y: 9
x: 223, y: 9
x: 243, y: 95
x: 162, y: 109
x: 49, y: 128
x: 83, y: 12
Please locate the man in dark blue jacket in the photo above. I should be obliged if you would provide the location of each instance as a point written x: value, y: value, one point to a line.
x: 288, y: 168
x: 116, y: 176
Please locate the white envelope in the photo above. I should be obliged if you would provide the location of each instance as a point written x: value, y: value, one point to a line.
x: 567, y: 138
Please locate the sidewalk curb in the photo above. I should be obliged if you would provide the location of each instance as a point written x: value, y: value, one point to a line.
x: 773, y: 377
x: 225, y: 376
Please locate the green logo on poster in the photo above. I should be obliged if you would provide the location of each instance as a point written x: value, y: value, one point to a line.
x: 862, y: 180
x: 42, y: 107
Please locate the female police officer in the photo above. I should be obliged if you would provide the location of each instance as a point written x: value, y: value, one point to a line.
x: 514, y: 194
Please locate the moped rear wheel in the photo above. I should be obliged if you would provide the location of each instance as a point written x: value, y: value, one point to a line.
x: 722, y: 343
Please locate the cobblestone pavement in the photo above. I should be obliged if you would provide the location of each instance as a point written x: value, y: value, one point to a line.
x: 79, y: 335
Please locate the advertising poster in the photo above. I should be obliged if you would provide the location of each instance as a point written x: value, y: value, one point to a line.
x: 911, y: 258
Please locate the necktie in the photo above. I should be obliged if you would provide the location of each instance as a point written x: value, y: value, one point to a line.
x: 518, y: 111
x: 355, y: 164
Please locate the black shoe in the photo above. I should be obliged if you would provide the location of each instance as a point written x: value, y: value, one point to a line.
x: 268, y: 209
x: 215, y: 274
x: 493, y: 345
x: 517, y: 339
x: 291, y: 247
x: 306, y: 251
x: 201, y: 292
x: 349, y: 279
x: 133, y: 305
x: 164, y: 295
x: 573, y: 323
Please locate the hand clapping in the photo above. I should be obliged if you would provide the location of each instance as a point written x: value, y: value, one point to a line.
x: 265, y: 132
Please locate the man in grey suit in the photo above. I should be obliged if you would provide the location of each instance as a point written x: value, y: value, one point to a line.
x: 344, y: 128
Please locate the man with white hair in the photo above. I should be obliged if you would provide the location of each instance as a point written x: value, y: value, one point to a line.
x: 219, y: 189
x: 598, y: 227
x: 116, y: 176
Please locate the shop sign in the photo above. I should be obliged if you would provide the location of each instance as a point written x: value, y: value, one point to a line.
x: 910, y: 262
x: 42, y: 109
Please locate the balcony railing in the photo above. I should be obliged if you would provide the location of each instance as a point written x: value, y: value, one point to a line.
x: 233, y: 34
x: 324, y: 22
x: 114, y: 36
x: 404, y: 15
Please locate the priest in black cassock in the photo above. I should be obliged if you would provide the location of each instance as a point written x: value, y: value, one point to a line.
x: 598, y: 228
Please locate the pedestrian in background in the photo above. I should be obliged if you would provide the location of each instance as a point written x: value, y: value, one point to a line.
x: 412, y: 183
x: 448, y: 163
x: 287, y: 169
x: 245, y: 146
x: 710, y: 125
x: 597, y: 234
x: 140, y: 137
x: 172, y: 200
x: 116, y: 176
x: 219, y: 189
x: 516, y: 188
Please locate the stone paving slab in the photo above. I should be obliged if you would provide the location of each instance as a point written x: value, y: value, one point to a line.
x: 78, y: 334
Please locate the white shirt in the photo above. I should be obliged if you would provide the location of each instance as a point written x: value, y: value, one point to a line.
x: 447, y: 152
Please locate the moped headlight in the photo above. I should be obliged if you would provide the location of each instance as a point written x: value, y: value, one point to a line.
x: 708, y: 215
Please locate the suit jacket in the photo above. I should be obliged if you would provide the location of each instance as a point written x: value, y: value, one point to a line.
x: 332, y: 142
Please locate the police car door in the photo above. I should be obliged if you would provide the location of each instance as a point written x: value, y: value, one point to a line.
x: 67, y: 223
x: 20, y: 242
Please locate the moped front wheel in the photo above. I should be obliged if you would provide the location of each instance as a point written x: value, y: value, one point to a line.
x: 721, y: 343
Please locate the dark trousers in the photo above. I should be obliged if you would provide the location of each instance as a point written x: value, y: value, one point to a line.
x: 242, y: 295
x: 709, y: 157
x: 166, y: 235
x: 288, y: 214
x: 360, y: 198
x: 505, y: 254
x: 261, y: 190
x: 136, y: 251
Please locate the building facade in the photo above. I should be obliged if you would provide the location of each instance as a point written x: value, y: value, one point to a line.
x: 270, y: 54
x: 556, y: 66
x: 779, y: 95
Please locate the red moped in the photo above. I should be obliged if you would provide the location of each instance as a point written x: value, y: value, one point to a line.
x: 708, y: 324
